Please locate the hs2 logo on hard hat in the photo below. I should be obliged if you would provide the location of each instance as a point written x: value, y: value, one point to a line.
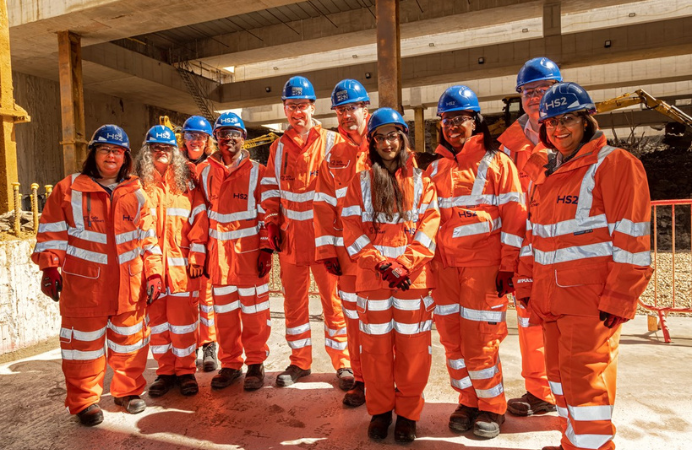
x: 164, y: 135
x: 116, y: 136
x: 451, y: 103
x: 341, y: 96
x: 296, y: 91
x: 229, y: 120
x: 555, y: 103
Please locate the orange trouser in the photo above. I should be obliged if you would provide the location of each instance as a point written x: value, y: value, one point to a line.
x: 84, y: 357
x: 396, y: 350
x: 581, y: 358
x: 296, y: 285
x: 347, y: 292
x: 207, y: 326
x: 532, y: 355
x: 244, y: 324
x: 471, y: 321
x: 174, y: 322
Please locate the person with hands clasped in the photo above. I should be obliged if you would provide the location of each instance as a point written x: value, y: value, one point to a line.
x: 181, y: 227
x: 483, y: 219
x: 97, y: 247
x: 390, y: 220
x: 585, y: 261
x: 238, y: 269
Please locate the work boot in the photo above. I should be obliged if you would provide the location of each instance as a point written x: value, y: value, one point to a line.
x: 132, y: 403
x: 379, y: 424
x: 91, y: 415
x: 254, y: 378
x: 163, y: 384
x: 346, y: 379
x: 487, y: 424
x: 528, y: 405
x: 225, y: 378
x: 462, y: 418
x: 553, y: 448
x: 188, y: 384
x: 404, y: 430
x: 291, y: 375
x: 209, y: 357
x: 356, y: 396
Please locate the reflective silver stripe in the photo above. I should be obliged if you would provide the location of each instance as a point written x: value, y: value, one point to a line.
x: 358, y: 245
x: 413, y: 328
x: 588, y: 184
x: 490, y: 393
x: 206, y: 322
x: 205, y: 181
x: 350, y: 313
x: 331, y: 137
x: 341, y: 346
x: 297, y: 215
x: 511, y: 239
x: 424, y: 240
x: 262, y: 289
x: 634, y: 229
x: 484, y: 374
x: 335, y: 331
x: 178, y: 212
x: 351, y: 211
x: 232, y: 235
x: 526, y: 250
x: 147, y: 234
x: 301, y: 197
x: 127, y: 236
x: 299, y: 329
x: 523, y: 322
x: 254, y: 290
x: 232, y: 217
x: 141, y: 201
x: 126, y: 331
x: 197, y: 210
x: 589, y: 441
x: 53, y: 227
x: 160, y: 328
x: 128, y: 348
x: 85, y: 336
x: 99, y: 258
x: 183, y: 294
x: 348, y: 296
x: 152, y: 211
x: 277, y: 163
x: 254, y: 309
x: 588, y: 413
x: 446, y: 310
x: 198, y: 248
x: 322, y: 197
x: 268, y: 180
x: 206, y: 308
x: 406, y: 305
x: 184, y: 329
x: 642, y: 259
x: 365, y: 192
x: 329, y: 240
x: 478, y: 315
x: 573, y: 253
x: 376, y: 328
x: 76, y: 355
x: 77, y: 211
x: 464, y: 383
x: 91, y: 236
x: 571, y: 226
x: 477, y: 228
x: 252, y: 186
x: 300, y: 343
x: 153, y: 249
x: 417, y: 192
x: 160, y: 349
x: 220, y: 309
x: 391, y: 252
x: 50, y: 245
x: 434, y: 165
x: 128, y: 256
x: 225, y: 290
x: 555, y: 387
x: 426, y: 206
x: 341, y: 193
x: 456, y: 364
x: 272, y: 193
x: 562, y: 412
x: 183, y: 352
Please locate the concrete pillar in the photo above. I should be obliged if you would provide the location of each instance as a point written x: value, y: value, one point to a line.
x: 419, y: 119
x: 71, y: 101
x: 552, y: 30
x: 388, y: 54
x: 10, y: 114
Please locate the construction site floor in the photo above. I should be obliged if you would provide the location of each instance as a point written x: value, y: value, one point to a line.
x: 653, y: 408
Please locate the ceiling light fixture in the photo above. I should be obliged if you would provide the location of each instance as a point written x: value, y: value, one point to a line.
x: 354, y: 56
x: 632, y: 14
x: 432, y: 44
x: 524, y: 30
x: 276, y: 68
x: 481, y: 60
x: 607, y: 43
x: 268, y: 89
x: 368, y: 75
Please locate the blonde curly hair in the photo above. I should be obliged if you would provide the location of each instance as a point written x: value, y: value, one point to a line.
x: 178, y: 175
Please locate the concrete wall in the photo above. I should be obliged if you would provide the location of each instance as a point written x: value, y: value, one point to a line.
x: 38, y: 143
x: 27, y: 317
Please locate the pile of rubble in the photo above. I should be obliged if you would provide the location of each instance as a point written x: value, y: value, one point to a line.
x: 7, y: 222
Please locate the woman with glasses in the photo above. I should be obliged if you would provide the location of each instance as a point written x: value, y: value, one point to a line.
x: 97, y: 248
x: 482, y: 227
x: 390, y: 220
x: 181, y: 228
x: 585, y: 262
x: 197, y: 145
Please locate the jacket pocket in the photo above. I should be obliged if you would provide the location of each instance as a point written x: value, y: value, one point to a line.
x: 137, y: 284
x: 80, y: 283
x: 578, y: 289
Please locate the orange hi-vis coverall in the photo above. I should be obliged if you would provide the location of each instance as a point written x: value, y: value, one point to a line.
x: 106, y: 246
x: 207, y: 328
x: 587, y: 250
x: 346, y: 159
x: 519, y: 148
x: 182, y: 229
x: 288, y: 190
x: 483, y: 219
x: 241, y: 297
x: 395, y: 325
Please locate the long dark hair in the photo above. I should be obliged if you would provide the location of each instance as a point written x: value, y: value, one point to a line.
x: 388, y: 196
x: 481, y: 128
x: 589, y: 130
x: 91, y: 169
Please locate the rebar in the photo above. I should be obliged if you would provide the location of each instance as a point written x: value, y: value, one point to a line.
x: 34, y: 205
x: 17, y: 209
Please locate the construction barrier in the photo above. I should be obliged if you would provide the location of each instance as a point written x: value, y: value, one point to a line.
x: 675, y: 304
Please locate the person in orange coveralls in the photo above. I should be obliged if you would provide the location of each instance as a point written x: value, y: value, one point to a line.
x: 483, y: 224
x: 238, y: 269
x: 390, y: 220
x: 585, y: 262
x: 98, y: 251
x: 197, y: 144
x: 182, y: 229
x: 288, y: 190
x: 520, y: 142
x: 349, y: 100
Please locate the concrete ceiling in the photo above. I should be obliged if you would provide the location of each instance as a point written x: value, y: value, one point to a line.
x: 131, y: 47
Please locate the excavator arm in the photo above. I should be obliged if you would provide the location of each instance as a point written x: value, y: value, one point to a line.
x: 642, y: 97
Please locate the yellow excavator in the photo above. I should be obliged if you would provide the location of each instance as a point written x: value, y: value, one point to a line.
x: 265, y: 139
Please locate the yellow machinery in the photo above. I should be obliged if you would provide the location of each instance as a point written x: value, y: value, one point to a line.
x: 265, y: 139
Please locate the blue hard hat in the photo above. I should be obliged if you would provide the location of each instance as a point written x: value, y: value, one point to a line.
x: 231, y: 120
x: 538, y: 69
x: 197, y: 123
x: 563, y: 98
x: 385, y: 116
x: 160, y: 134
x: 298, y: 88
x: 349, y: 91
x: 110, y: 134
x: 458, y: 98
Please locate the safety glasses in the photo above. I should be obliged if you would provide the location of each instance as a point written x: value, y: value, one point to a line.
x: 347, y: 109
x: 227, y: 135
x: 106, y: 150
x: 160, y: 148
x: 195, y: 136
x: 567, y: 120
x: 389, y: 137
x: 456, y: 121
x: 534, y: 92
x: 293, y: 107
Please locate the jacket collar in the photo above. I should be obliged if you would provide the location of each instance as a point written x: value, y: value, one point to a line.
x: 84, y: 183
x: 473, y: 149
